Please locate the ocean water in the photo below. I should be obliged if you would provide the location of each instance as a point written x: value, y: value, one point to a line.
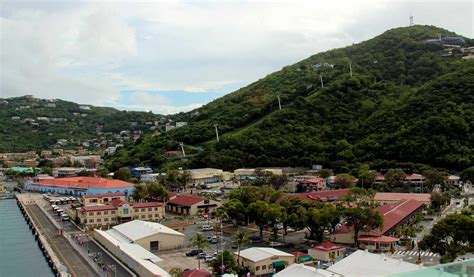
x: 20, y: 254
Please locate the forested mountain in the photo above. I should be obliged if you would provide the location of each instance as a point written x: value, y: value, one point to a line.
x: 29, y: 123
x: 407, y: 101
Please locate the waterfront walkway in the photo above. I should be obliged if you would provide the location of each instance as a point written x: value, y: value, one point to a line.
x: 68, y: 256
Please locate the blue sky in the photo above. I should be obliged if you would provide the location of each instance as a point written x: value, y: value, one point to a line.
x: 172, y: 56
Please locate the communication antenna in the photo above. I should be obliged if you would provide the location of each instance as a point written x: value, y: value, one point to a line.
x: 279, y: 102
x: 217, y: 132
x: 350, y: 68
x: 411, y: 20
x: 322, y: 83
x: 182, y: 148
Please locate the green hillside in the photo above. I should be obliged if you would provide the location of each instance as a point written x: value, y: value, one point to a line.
x: 35, y: 124
x: 408, y: 101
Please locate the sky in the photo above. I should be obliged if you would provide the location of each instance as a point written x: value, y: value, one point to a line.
x: 174, y: 56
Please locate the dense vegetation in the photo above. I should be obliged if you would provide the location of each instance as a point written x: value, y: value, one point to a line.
x: 72, y: 124
x: 405, y: 102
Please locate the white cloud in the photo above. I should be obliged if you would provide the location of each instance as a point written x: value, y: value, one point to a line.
x: 90, y: 51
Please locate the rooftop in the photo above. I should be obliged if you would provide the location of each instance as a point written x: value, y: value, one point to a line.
x: 394, y: 196
x: 394, y: 213
x: 300, y: 270
x: 256, y: 254
x: 84, y: 182
x: 186, y: 200
x: 97, y: 208
x: 327, y: 246
x: 196, y: 273
x: 138, y: 229
x: 147, y: 205
x: 366, y: 264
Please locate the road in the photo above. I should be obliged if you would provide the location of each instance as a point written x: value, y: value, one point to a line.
x: 88, y: 245
x: 68, y: 256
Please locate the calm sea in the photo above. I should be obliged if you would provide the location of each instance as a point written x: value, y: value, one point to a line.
x: 20, y: 254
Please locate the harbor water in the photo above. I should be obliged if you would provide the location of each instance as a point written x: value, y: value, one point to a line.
x: 20, y: 254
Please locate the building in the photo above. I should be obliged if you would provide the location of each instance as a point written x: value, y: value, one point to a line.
x: 94, y: 199
x: 30, y: 163
x: 118, y: 211
x: 325, y: 196
x: 453, y: 180
x: 137, y: 172
x: 381, y: 240
x: 327, y: 251
x: 312, y: 184
x: 64, y: 172
x: 410, y: 179
x: 364, y: 264
x: 392, y: 197
x: 264, y: 260
x: 22, y: 169
x: 301, y: 270
x: 203, y: 176
x: 152, y: 236
x: 302, y: 258
x: 81, y: 186
x: 249, y: 174
x: 141, y: 261
x: 191, y: 205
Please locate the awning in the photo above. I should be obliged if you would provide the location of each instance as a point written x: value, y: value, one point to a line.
x: 279, y: 264
x: 305, y: 258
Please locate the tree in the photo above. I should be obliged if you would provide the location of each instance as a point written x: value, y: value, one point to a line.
x: 77, y: 164
x: 278, y: 181
x: 319, y: 219
x: 123, y: 174
x: 468, y: 174
x: 176, y: 272
x: 157, y: 191
x: 450, y: 237
x: 344, y: 180
x: 47, y: 170
x: 241, y: 239
x: 228, y: 259
x: 258, y: 212
x: 200, y: 242
x: 438, y: 200
x: 262, y: 177
x: 103, y: 172
x: 273, y: 215
x: 325, y: 173
x: 139, y: 192
x: 433, y: 177
x: 183, y: 178
x: 363, y: 219
x: 86, y: 173
x: 236, y: 211
x: 395, y: 177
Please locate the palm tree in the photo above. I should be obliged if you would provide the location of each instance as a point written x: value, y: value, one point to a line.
x: 241, y: 238
x: 200, y: 242
x: 176, y: 272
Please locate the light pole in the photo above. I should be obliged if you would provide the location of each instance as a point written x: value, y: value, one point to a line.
x: 114, y: 268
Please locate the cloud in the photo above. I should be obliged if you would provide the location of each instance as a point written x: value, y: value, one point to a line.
x: 91, y: 52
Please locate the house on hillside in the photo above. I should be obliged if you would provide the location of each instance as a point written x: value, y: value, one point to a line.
x: 191, y: 205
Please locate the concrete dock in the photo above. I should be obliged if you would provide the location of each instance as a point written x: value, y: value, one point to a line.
x: 74, y: 263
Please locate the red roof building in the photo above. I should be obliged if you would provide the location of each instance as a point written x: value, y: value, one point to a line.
x: 103, y: 195
x: 325, y: 195
x: 191, y: 205
x: 396, y: 214
x: 390, y: 197
x: 327, y: 251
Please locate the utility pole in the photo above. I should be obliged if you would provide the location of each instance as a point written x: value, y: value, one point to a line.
x: 279, y: 102
x: 217, y: 132
x: 181, y: 144
x: 322, y: 83
x: 350, y: 68
x: 411, y: 20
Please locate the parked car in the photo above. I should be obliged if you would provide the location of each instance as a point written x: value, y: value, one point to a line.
x: 207, y: 228
x: 275, y: 244
x: 193, y: 252
x: 202, y: 255
x: 64, y: 217
x: 209, y: 258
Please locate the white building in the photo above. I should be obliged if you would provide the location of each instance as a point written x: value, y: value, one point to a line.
x: 366, y: 264
x: 301, y: 270
x: 264, y: 260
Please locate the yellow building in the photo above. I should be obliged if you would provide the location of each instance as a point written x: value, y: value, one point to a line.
x: 94, y: 199
x: 327, y: 251
x: 264, y: 260
x: 118, y: 211
x: 191, y: 205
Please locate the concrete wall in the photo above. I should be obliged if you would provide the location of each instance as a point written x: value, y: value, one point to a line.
x: 346, y: 238
x: 166, y: 241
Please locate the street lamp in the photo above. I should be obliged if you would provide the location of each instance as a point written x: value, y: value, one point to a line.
x: 114, y: 268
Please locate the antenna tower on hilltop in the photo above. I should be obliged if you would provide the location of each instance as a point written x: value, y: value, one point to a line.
x: 411, y: 20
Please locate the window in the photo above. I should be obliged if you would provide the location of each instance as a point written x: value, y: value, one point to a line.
x: 156, y: 209
x: 91, y: 213
x: 143, y: 210
x: 106, y: 219
x: 85, y: 220
x: 150, y: 215
x: 106, y: 199
x: 106, y: 213
x: 149, y: 209
x: 93, y: 200
x: 99, y: 213
x: 99, y: 220
x: 112, y: 212
x: 257, y: 268
x: 154, y: 245
x: 91, y: 220
x: 264, y: 267
x: 143, y: 216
